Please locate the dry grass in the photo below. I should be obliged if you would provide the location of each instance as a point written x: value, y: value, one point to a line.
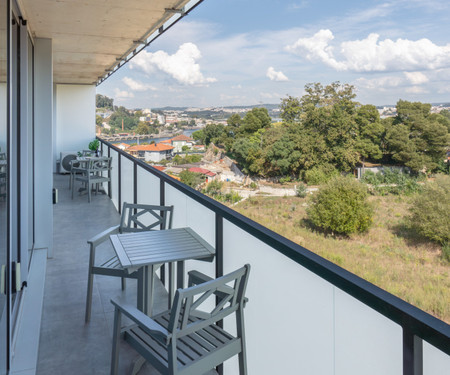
x: 389, y: 255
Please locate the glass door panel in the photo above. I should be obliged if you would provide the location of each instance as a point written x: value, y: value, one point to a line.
x: 4, y: 306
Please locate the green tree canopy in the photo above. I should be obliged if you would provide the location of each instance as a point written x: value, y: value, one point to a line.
x: 417, y: 138
x: 102, y: 101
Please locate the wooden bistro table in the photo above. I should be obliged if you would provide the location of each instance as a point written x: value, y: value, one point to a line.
x: 144, y: 251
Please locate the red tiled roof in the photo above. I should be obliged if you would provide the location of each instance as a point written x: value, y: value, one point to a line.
x: 159, y: 167
x: 166, y: 141
x: 152, y: 147
x: 182, y: 137
x: 202, y: 171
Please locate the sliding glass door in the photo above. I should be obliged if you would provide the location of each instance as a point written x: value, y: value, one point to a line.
x: 4, y: 146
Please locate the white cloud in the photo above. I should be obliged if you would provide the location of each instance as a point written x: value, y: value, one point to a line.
x: 136, y: 85
x: 270, y: 95
x: 181, y: 66
x: 374, y: 55
x: 416, y: 90
x: 381, y: 82
x: 276, y: 76
x: 416, y: 78
x: 122, y: 94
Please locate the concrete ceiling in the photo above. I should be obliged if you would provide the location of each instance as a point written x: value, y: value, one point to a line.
x: 91, y: 36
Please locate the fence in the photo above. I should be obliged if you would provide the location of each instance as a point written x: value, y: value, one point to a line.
x: 305, y: 314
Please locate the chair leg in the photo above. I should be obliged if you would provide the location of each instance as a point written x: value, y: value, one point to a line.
x: 89, y: 192
x: 87, y: 316
x: 73, y: 187
x: 90, y: 285
x: 124, y: 283
x: 116, y: 343
x: 241, y: 333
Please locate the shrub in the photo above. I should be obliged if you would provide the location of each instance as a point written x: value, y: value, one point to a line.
x: 341, y: 206
x: 446, y: 252
x: 391, y: 181
x: 214, y: 188
x: 191, y: 179
x: 320, y: 174
x: 301, y: 190
x: 430, y: 211
x: 284, y: 180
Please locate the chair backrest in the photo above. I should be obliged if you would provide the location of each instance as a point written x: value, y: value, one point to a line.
x: 100, y: 164
x: 188, y: 313
x: 142, y: 217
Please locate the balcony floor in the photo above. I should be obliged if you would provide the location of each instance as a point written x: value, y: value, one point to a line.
x: 68, y: 345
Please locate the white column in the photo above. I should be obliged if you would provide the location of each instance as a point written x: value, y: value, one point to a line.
x: 75, y: 118
x: 43, y: 153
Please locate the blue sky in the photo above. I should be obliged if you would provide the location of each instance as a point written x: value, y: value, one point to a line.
x: 242, y: 52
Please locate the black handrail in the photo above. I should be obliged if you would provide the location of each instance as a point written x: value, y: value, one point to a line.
x: 413, y: 320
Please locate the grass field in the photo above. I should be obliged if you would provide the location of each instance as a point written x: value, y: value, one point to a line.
x: 389, y: 255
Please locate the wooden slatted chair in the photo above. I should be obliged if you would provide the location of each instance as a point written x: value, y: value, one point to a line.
x: 94, y: 174
x: 185, y: 339
x: 135, y: 218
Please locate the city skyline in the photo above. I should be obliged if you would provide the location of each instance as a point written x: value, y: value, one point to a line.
x: 246, y: 52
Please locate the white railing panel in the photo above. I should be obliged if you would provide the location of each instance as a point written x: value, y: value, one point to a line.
x: 105, y: 174
x: 179, y: 201
x: 147, y: 187
x: 366, y: 342
x: 289, y: 318
x: 115, y: 178
x: 203, y: 221
x: 435, y: 362
x: 127, y: 179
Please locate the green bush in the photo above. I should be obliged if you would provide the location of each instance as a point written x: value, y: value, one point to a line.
x: 214, y: 188
x: 341, y: 206
x: 320, y: 174
x: 391, y: 181
x: 301, y: 190
x: 430, y: 211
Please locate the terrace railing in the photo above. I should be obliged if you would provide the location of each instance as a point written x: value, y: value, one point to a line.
x: 305, y: 314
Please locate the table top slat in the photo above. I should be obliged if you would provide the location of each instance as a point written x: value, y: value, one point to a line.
x: 139, y: 249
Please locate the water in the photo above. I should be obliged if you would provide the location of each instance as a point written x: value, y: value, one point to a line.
x: 157, y: 140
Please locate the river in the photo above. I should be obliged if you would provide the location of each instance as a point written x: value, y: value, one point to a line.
x: 187, y: 132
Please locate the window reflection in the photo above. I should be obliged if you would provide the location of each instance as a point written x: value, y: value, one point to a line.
x: 3, y: 175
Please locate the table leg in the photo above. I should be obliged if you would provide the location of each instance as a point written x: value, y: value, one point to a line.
x: 140, y: 289
x: 180, y: 274
x: 150, y: 273
x: 171, y: 283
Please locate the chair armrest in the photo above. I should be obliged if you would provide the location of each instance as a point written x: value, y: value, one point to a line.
x: 196, y: 277
x: 99, y: 238
x: 145, y: 322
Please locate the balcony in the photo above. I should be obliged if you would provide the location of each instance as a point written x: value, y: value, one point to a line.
x: 328, y: 320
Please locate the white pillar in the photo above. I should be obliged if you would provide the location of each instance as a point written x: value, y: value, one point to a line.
x: 43, y: 120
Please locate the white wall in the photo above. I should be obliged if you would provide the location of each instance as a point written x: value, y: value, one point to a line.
x: 75, y: 118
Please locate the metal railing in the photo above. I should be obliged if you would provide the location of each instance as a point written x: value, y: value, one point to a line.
x: 417, y: 326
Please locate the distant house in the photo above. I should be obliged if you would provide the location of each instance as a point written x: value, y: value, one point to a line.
x: 209, y: 176
x: 154, y: 152
x: 122, y: 146
x: 179, y: 141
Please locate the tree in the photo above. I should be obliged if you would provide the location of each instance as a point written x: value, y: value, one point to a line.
x: 417, y: 139
x: 199, y: 136
x: 257, y: 118
x: 98, y: 120
x: 104, y: 102
x: 371, y: 131
x: 143, y: 128
x: 191, y: 179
